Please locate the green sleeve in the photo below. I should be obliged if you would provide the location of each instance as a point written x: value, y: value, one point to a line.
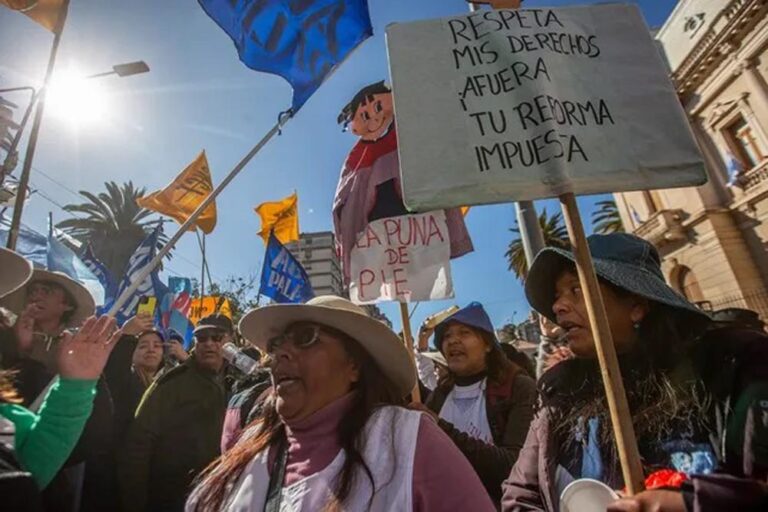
x: 44, y: 441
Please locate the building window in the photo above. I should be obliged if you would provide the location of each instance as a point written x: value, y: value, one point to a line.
x: 743, y: 143
x: 689, y: 285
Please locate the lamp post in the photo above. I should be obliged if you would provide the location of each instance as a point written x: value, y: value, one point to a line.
x: 38, y: 98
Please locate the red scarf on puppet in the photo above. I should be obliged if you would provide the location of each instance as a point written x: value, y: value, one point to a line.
x: 369, y: 187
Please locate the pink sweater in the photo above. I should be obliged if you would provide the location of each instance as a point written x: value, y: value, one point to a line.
x: 442, y: 478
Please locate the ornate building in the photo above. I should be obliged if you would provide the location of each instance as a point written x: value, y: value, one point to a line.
x: 713, y: 238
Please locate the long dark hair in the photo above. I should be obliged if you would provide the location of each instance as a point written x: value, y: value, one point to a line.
x: 372, y: 391
x: 663, y: 393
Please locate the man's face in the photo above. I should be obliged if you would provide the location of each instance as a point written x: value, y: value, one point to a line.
x: 373, y: 117
x: 208, y: 343
x: 50, y: 301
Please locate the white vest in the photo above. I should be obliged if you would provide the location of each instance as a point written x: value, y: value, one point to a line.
x: 389, y: 450
x: 464, y: 407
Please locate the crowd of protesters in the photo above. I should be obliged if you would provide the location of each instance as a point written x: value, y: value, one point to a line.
x: 93, y: 417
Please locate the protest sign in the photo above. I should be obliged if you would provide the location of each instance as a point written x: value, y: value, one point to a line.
x: 510, y: 105
x: 200, y: 308
x: 405, y: 258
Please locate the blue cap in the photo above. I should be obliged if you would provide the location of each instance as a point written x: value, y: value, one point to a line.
x: 473, y: 315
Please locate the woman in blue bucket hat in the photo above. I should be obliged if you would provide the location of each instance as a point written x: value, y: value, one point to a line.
x: 698, y: 393
x: 486, y: 402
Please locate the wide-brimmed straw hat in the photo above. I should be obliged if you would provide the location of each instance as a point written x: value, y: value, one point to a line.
x: 623, y: 260
x: 381, y: 343
x: 15, y: 271
x: 85, y: 305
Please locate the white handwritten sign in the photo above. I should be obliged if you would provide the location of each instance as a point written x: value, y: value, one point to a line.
x: 507, y: 105
x: 404, y: 258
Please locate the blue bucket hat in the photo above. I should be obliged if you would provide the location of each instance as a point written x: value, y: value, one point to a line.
x: 623, y: 260
x: 473, y: 315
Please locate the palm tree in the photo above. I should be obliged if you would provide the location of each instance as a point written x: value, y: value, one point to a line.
x: 111, y: 222
x: 606, y: 218
x: 555, y: 235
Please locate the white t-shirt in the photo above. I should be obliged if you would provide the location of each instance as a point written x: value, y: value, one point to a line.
x: 465, y: 409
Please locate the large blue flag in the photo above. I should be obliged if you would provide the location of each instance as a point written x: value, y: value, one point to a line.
x: 283, y: 279
x: 101, y: 272
x: 300, y: 40
x: 63, y: 259
x: 152, y: 286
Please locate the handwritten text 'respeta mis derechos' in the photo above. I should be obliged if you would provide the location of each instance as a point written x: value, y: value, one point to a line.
x: 496, y: 57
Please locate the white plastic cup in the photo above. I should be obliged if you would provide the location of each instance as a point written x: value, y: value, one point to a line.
x: 586, y: 495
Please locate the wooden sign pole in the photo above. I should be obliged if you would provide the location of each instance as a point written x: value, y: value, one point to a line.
x: 408, y: 340
x: 621, y: 420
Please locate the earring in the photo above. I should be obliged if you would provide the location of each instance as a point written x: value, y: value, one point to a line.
x: 636, y: 326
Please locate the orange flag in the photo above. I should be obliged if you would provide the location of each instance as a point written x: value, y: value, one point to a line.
x: 282, y: 216
x: 44, y: 12
x: 184, y: 194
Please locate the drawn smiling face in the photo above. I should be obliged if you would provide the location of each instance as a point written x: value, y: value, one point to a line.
x: 373, y: 117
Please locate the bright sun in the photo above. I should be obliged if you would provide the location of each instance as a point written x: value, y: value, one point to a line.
x: 75, y: 99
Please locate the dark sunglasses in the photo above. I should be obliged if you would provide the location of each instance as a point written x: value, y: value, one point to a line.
x: 213, y: 336
x: 302, y: 336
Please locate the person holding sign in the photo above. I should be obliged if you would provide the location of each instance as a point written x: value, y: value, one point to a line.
x: 334, y: 435
x: 486, y: 402
x: 697, y: 392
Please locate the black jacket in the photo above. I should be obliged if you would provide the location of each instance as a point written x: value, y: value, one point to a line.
x: 175, y: 435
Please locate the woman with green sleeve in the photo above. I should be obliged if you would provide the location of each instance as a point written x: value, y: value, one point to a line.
x: 43, y: 441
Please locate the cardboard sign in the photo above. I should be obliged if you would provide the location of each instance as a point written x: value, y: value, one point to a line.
x: 404, y: 258
x: 507, y: 105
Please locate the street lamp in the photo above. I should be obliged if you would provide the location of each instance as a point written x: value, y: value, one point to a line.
x: 38, y: 97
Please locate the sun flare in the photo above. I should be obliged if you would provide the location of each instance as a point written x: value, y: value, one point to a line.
x: 76, y: 99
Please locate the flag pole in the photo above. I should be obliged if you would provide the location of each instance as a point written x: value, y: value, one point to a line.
x: 202, y: 275
x: 26, y: 170
x: 621, y: 420
x: 408, y: 340
x: 282, y: 120
x: 205, y: 261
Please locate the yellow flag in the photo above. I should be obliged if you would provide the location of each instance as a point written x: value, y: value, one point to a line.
x: 44, y: 12
x: 282, y: 216
x: 465, y: 210
x: 198, y: 310
x: 182, y: 196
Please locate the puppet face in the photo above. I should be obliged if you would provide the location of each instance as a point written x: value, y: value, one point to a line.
x: 373, y: 117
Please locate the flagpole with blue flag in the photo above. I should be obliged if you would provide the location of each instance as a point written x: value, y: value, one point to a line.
x: 304, y: 42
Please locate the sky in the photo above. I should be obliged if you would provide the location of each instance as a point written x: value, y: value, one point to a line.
x: 198, y: 96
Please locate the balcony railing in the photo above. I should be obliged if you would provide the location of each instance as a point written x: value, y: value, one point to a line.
x: 662, y: 227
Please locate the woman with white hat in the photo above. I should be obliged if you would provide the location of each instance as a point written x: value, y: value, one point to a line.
x: 43, y: 441
x: 334, y: 434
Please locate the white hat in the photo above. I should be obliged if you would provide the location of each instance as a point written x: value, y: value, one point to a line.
x: 15, y: 271
x: 85, y: 305
x: 382, y: 344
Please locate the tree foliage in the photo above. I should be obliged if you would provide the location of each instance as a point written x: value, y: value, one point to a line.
x: 555, y: 235
x: 606, y: 218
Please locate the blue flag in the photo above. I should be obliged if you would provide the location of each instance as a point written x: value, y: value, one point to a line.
x: 101, y: 272
x: 152, y: 286
x: 283, y: 279
x: 63, y: 259
x: 300, y: 40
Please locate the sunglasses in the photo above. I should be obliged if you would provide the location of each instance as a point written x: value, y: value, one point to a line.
x: 213, y: 336
x: 302, y: 336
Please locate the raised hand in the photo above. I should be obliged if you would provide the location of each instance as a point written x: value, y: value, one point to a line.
x: 138, y: 324
x: 177, y: 351
x: 83, y: 355
x: 25, y: 327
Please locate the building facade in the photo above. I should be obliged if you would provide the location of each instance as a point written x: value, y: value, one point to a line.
x: 317, y: 254
x: 713, y: 238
